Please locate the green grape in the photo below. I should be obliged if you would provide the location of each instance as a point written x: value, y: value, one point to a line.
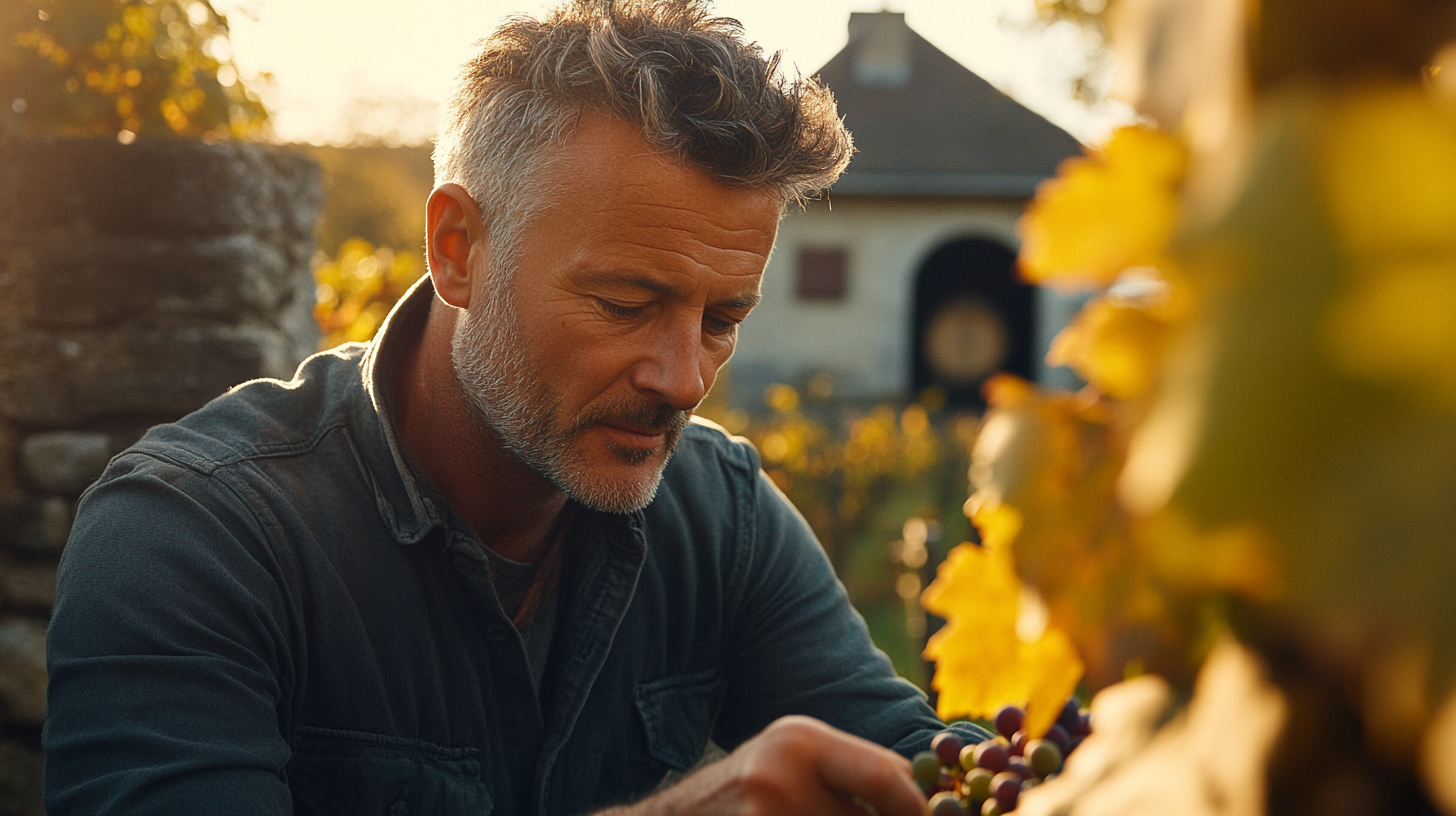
x: 1044, y: 757
x: 926, y: 767
x: 945, y: 804
x: 978, y: 784
x: 968, y: 758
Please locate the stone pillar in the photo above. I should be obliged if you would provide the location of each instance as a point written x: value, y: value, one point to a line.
x: 137, y: 282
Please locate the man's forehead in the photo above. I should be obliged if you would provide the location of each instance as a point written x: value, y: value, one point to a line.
x: 604, y: 147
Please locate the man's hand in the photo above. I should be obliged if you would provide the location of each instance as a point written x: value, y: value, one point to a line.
x: 798, y: 766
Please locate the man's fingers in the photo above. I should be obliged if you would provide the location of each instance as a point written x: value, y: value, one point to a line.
x: 878, y: 776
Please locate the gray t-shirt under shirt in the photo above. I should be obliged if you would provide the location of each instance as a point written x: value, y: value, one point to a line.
x: 513, y: 582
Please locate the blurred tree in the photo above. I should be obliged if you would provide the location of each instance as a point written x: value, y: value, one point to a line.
x: 124, y: 67
x: 369, y: 235
x: 1089, y: 85
x: 358, y: 287
x: 374, y: 192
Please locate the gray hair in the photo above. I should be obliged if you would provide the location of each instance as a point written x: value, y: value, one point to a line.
x: 688, y: 80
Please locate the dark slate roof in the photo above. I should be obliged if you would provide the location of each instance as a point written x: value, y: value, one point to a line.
x: 923, y: 124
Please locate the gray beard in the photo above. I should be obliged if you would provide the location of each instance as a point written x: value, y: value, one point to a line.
x: 516, y: 405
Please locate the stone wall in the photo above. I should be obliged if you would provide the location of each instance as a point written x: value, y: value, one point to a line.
x: 137, y: 282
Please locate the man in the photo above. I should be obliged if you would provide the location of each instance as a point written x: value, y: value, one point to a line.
x: 453, y: 571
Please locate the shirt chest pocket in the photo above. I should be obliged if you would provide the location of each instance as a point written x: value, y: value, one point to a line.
x: 339, y: 773
x: 678, y: 713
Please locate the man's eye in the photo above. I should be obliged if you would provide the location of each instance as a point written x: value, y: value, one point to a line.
x: 619, y: 311
x: 717, y: 326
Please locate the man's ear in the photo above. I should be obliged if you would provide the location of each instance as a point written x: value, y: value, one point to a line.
x: 453, y: 232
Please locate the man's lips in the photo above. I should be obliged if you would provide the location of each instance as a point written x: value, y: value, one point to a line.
x: 630, y: 436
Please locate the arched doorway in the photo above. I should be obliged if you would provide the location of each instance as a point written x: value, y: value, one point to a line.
x: 973, y: 318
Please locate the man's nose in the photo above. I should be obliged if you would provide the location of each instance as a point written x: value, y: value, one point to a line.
x: 676, y: 367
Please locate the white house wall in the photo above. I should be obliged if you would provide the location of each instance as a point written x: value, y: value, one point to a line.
x: 863, y: 340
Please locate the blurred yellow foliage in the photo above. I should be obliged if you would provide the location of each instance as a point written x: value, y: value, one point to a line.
x: 1388, y: 160
x: 1116, y: 344
x: 1045, y: 465
x: 1105, y: 212
x: 357, y: 288
x: 1389, y: 154
x: 839, y: 474
x: 1267, y: 443
x: 1273, y: 455
x: 122, y: 68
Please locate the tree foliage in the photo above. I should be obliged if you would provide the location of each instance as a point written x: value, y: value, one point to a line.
x: 121, y: 67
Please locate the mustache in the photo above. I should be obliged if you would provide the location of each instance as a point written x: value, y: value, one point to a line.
x: 658, y: 417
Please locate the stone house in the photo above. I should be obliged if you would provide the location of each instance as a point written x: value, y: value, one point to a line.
x: 902, y: 277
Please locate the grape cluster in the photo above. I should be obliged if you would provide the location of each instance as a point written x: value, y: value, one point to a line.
x: 988, y: 777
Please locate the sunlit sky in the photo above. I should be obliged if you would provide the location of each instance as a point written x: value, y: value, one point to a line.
x: 380, y: 66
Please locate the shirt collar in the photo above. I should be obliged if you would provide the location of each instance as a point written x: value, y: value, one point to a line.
x: 410, y: 510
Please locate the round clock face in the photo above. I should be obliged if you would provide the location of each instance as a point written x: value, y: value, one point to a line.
x: 965, y: 341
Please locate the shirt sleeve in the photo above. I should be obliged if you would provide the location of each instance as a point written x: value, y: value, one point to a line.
x: 165, y: 651
x: 799, y: 647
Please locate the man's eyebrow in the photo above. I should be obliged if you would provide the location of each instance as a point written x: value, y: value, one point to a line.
x: 745, y: 301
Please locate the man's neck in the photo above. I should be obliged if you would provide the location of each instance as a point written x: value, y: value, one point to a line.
x: 510, y: 507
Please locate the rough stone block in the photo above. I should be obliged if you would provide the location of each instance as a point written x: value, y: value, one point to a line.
x: 11, y: 493
x: 107, y: 281
x: 28, y: 587
x: 62, y: 381
x: 23, y: 670
x: 21, y: 768
x: 64, y: 461
x: 154, y: 187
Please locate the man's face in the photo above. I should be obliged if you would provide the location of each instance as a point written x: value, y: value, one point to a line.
x: 588, y: 358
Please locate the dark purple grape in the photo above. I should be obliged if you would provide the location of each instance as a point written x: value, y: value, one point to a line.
x: 1005, y: 788
x: 948, y: 779
x: 1059, y: 735
x: 1018, y: 766
x: 1018, y: 743
x: 926, y: 767
x: 1043, y: 757
x: 947, y: 745
x: 945, y: 804
x: 1072, y: 746
x: 992, y: 755
x: 1084, y: 725
x: 1071, y: 713
x: 1008, y: 720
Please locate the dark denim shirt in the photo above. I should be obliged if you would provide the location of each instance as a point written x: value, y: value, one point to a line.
x: 265, y: 609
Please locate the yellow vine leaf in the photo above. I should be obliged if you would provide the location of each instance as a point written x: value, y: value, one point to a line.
x: 981, y: 662
x: 1111, y: 210
x: 1115, y: 344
